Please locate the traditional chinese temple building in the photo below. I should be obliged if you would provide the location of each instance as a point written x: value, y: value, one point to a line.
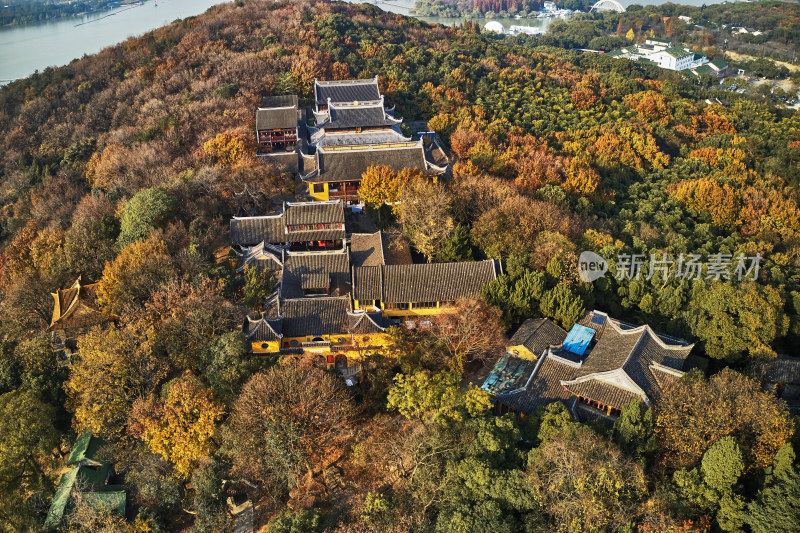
x: 352, y: 130
x: 344, y: 91
x: 336, y: 170
x: 301, y: 226
x: 315, y: 273
x: 781, y: 376
x: 419, y: 290
x: 75, y: 310
x: 322, y: 327
x: 313, y: 311
x: 277, y: 131
x: 596, y: 368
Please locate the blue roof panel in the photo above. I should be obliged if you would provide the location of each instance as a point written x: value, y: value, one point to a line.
x: 578, y: 339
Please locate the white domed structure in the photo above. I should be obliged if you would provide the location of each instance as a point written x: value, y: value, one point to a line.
x: 495, y: 27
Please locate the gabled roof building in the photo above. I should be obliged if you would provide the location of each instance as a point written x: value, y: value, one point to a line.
x: 326, y: 326
x: 348, y: 115
x: 345, y: 91
x: 599, y: 367
x: 91, y: 476
x: 404, y: 291
x: 782, y: 377
x: 277, y: 131
x: 315, y: 273
x: 75, y: 310
x: 337, y: 170
x: 301, y: 226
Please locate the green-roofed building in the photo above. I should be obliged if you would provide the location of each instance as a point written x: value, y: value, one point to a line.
x: 84, y: 450
x: 660, y: 52
x: 704, y: 70
x: 678, y: 52
x: 91, y: 477
x: 110, y: 498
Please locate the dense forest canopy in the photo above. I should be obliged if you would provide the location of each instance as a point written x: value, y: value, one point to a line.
x: 773, y: 27
x: 123, y: 167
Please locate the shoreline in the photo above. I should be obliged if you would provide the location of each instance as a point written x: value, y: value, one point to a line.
x: 123, y: 6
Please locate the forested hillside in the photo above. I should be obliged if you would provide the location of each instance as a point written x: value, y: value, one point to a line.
x: 123, y: 167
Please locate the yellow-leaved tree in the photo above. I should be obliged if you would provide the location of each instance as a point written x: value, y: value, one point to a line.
x: 179, y: 427
x: 380, y: 184
x: 116, y: 366
x: 231, y: 150
x: 139, y: 270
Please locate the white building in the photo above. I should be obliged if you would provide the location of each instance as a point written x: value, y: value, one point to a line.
x: 662, y: 53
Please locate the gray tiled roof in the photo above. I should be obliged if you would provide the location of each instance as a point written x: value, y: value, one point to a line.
x: 368, y: 283
x: 355, y: 116
x: 315, y: 235
x: 314, y: 316
x: 262, y: 330
x: 538, y: 334
x: 279, y: 118
x: 367, y: 323
x: 314, y: 213
x: 313, y: 271
x: 431, y: 282
x: 610, y: 352
x: 366, y: 249
x: 346, y: 91
x: 602, y: 392
x: 640, y: 366
x: 263, y: 256
x: 284, y: 100
x: 350, y: 164
x: 784, y: 370
x: 335, y: 138
x: 635, y: 353
x: 622, y: 353
x: 545, y: 388
x: 250, y: 231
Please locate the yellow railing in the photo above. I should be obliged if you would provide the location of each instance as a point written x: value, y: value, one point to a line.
x: 377, y: 146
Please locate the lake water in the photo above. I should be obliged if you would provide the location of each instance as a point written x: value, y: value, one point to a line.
x: 25, y: 49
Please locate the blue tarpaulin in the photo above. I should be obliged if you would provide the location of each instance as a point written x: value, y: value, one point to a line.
x: 578, y: 339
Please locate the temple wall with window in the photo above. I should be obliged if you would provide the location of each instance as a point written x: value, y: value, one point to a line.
x: 405, y: 309
x: 325, y: 191
x: 351, y: 345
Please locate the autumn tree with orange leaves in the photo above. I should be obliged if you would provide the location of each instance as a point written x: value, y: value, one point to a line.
x: 694, y: 413
x: 472, y: 333
x: 288, y: 420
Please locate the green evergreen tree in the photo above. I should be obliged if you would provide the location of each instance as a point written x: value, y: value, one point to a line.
x: 302, y: 521
x: 258, y: 284
x: 633, y: 429
x: 562, y: 305
x: 459, y: 247
x: 147, y: 209
x: 777, y: 507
